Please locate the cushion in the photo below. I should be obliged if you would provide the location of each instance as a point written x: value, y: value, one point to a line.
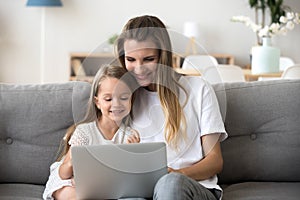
x: 263, y: 191
x: 33, y: 120
x: 263, y: 124
x: 21, y: 192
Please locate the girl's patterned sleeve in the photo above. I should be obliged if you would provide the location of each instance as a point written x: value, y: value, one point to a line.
x: 79, y: 138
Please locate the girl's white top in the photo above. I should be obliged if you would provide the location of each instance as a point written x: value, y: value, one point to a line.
x: 84, y: 134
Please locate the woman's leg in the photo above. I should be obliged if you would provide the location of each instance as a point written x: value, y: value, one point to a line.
x: 65, y: 193
x: 177, y: 186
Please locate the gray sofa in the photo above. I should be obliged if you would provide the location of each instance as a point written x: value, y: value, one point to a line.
x: 261, y: 155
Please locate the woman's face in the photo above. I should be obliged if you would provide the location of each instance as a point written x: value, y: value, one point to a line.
x: 141, y: 60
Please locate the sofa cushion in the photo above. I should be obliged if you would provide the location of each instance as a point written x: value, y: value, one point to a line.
x: 263, y: 124
x: 33, y: 120
x: 262, y: 191
x: 21, y: 191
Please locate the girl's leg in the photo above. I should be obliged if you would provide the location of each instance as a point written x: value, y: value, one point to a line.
x: 65, y: 193
x: 177, y: 186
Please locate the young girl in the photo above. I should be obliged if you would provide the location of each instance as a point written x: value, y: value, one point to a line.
x: 106, y: 122
x: 182, y: 111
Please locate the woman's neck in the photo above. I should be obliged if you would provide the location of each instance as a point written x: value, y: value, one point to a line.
x: 151, y: 87
x: 108, y: 128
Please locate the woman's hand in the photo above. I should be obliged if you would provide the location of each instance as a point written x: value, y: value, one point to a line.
x: 210, y: 165
x: 134, y: 137
x: 175, y: 170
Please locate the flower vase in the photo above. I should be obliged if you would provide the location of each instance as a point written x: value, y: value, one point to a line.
x: 265, y: 58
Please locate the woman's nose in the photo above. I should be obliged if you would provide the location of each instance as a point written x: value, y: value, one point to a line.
x: 139, y: 66
x: 115, y: 102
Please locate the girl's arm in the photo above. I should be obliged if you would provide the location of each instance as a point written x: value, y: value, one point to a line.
x: 66, y: 168
x: 210, y: 165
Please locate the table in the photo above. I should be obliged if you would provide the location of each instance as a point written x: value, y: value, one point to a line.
x: 247, y: 72
x: 221, y: 58
x: 253, y: 77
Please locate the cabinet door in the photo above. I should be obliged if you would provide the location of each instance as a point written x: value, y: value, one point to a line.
x: 85, y: 66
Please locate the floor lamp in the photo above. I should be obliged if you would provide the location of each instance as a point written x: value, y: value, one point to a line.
x: 191, y: 30
x: 43, y: 4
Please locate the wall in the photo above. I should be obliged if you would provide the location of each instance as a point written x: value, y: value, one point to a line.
x: 83, y: 26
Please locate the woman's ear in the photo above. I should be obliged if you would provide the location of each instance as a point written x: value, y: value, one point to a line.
x: 95, y: 99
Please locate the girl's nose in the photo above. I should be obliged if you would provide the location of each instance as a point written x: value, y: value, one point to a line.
x: 115, y: 102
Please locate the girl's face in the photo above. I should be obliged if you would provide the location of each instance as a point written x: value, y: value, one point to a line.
x: 141, y: 60
x: 113, y: 99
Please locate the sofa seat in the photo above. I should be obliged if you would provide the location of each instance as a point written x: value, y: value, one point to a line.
x: 263, y: 191
x: 21, y: 191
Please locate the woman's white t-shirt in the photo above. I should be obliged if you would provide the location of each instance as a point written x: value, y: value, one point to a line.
x: 202, y: 115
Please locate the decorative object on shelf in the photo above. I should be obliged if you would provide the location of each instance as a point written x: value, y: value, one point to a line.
x: 43, y: 4
x: 191, y: 30
x: 265, y: 58
x: 77, y: 68
x: 282, y: 19
x: 109, y: 47
x: 113, y: 38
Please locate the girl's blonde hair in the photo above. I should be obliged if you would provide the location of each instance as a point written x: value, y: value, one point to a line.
x: 93, y: 113
x: 150, y: 28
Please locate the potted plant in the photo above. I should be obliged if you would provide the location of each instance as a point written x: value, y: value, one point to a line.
x: 112, y: 39
x: 275, y: 8
x: 281, y: 18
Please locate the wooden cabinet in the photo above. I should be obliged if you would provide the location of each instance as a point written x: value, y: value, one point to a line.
x: 84, y: 66
x: 221, y: 58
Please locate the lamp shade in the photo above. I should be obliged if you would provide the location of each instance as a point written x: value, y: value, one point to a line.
x: 191, y: 29
x: 44, y: 3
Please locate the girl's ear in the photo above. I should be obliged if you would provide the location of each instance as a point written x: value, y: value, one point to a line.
x: 95, y: 100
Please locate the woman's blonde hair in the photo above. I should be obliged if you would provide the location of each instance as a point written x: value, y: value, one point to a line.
x: 150, y: 28
x: 93, y: 113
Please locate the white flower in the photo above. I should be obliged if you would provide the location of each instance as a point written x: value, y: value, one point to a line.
x: 290, y: 15
x: 290, y: 25
x: 264, y: 32
x: 285, y: 23
x: 283, y: 19
x: 283, y: 31
x: 274, y: 28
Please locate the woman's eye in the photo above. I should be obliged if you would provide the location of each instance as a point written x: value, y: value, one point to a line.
x: 149, y: 59
x: 108, y: 99
x: 130, y: 59
x: 124, y: 98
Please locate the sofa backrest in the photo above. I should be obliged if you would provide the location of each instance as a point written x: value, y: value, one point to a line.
x: 263, y: 123
x: 33, y: 120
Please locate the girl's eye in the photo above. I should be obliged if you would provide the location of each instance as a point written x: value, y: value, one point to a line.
x: 108, y: 99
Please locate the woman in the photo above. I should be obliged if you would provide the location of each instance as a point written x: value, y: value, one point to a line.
x: 182, y: 111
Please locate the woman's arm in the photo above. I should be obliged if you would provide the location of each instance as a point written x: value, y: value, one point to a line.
x: 210, y: 165
x: 66, y: 168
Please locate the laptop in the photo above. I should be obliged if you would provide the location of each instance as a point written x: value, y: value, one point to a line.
x: 116, y: 171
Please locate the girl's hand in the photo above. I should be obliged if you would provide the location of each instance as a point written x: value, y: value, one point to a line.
x: 66, y: 168
x: 134, y: 137
x: 73, y: 182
